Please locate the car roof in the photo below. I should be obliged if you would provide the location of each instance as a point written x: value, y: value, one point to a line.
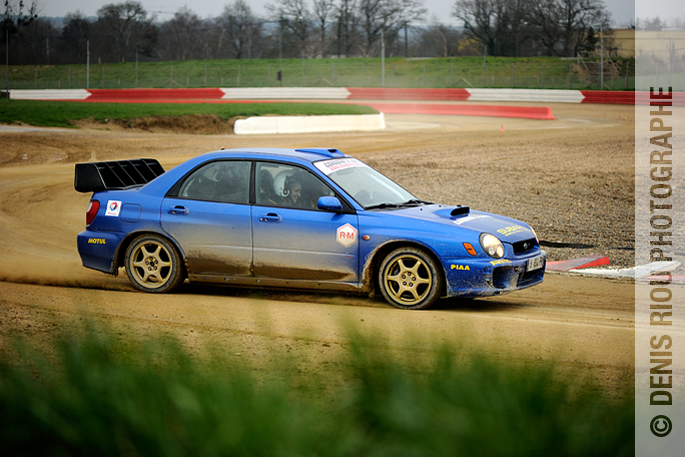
x: 307, y: 154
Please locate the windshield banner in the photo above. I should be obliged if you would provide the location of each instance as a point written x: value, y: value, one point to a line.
x: 329, y: 166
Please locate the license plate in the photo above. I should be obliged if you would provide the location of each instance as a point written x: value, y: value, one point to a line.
x: 535, y: 263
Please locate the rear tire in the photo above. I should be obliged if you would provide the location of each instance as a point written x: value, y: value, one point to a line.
x: 153, y: 265
x: 410, y: 279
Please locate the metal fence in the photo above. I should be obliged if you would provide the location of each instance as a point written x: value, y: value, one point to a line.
x: 401, y: 73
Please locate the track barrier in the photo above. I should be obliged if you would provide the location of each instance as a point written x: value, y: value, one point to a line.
x: 525, y: 112
x: 340, y: 93
x: 308, y: 124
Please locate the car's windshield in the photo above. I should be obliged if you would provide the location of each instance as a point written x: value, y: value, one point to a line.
x: 367, y: 186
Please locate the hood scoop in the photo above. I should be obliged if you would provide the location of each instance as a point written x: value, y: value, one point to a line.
x: 460, y: 211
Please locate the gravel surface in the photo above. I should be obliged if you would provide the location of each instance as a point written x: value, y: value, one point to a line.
x: 572, y: 179
x: 574, y: 186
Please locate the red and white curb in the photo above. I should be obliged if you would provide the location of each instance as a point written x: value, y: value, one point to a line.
x: 49, y: 94
x: 642, y: 272
x: 581, y: 262
x: 287, y: 93
x: 341, y: 93
x: 655, y: 271
x: 526, y: 95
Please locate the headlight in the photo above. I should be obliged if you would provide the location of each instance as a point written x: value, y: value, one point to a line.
x: 491, y: 245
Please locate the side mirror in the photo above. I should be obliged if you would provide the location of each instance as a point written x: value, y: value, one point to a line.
x: 331, y: 204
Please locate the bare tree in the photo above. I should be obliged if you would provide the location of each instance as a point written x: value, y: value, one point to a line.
x: 75, y: 34
x: 240, y: 28
x: 439, y: 40
x: 17, y: 15
x: 563, y: 26
x: 386, y: 16
x: 519, y: 26
x: 577, y: 16
x: 122, y: 29
x: 546, y: 26
x: 294, y: 19
x: 498, y: 24
x: 37, y: 43
x: 15, y: 18
x: 181, y: 37
x: 347, y: 22
x: 553, y: 27
x: 652, y: 25
x: 323, y: 9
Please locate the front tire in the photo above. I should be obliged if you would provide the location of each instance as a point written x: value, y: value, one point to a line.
x: 409, y: 279
x: 153, y: 265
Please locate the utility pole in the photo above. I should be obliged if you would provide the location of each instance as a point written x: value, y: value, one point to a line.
x: 601, y: 59
x: 7, y: 62
x: 87, y: 64
x: 406, y: 48
x: 485, y: 53
x: 382, y: 59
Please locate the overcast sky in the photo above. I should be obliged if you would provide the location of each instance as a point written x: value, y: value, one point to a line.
x: 622, y: 11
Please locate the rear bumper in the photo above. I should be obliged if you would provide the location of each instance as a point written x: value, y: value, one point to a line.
x: 483, y: 278
x: 98, y: 249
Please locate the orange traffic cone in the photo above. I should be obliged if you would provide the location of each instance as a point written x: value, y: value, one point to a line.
x: 501, y: 129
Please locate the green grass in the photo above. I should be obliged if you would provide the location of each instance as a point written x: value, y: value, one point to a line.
x: 347, y: 72
x: 103, y: 395
x: 61, y: 114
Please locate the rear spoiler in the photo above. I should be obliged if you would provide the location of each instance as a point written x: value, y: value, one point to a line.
x: 116, y: 175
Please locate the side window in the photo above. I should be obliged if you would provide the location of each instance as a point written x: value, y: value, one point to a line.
x: 222, y: 181
x: 288, y: 186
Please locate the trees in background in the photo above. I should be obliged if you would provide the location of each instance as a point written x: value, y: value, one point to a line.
x: 311, y: 28
x: 125, y: 30
x: 440, y: 40
x: 16, y: 16
x: 323, y: 13
x: 177, y: 38
x: 240, y: 34
x: 533, y: 27
x: 73, y: 39
x: 347, y: 31
x: 22, y: 29
x: 294, y: 26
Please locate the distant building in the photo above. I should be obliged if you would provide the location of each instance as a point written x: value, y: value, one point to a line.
x: 664, y: 48
x: 623, y: 43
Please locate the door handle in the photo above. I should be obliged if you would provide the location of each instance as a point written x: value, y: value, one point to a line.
x: 270, y: 217
x: 178, y: 209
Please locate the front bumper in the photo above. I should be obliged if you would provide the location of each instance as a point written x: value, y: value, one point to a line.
x: 487, y: 277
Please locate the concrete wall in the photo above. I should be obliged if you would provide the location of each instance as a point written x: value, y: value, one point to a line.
x: 308, y: 124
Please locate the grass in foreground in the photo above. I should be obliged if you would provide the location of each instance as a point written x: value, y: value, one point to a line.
x: 104, y: 396
x: 61, y: 114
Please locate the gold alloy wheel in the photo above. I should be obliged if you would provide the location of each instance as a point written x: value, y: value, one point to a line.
x: 408, y: 280
x: 151, y: 265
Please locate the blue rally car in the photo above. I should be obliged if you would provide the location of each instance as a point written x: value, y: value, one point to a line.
x: 305, y: 218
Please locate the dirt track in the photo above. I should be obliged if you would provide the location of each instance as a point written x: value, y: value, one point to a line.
x: 572, y: 179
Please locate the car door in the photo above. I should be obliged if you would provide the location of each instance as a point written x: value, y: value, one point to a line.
x: 294, y: 240
x: 209, y: 216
